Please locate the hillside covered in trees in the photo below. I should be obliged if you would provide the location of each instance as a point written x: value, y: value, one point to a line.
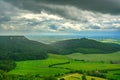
x: 21, y: 48
x: 85, y: 46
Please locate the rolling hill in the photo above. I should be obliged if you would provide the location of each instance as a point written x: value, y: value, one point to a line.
x: 84, y: 45
x: 21, y: 48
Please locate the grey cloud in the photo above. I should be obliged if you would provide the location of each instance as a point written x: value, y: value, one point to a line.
x: 69, y: 9
x: 4, y: 19
x: 77, y: 12
x: 95, y: 27
x: 105, y: 6
x: 54, y: 27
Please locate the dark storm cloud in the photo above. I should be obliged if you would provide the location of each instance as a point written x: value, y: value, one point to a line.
x: 103, y: 6
x: 43, y: 16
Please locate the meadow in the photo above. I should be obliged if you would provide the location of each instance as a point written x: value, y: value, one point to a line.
x: 38, y: 67
x: 64, y: 65
x: 110, y: 41
x: 96, y: 57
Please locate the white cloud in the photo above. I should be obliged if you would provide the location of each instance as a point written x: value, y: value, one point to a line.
x: 41, y: 17
x: 23, y: 20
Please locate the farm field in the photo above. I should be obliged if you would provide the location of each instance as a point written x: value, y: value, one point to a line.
x: 114, y: 74
x: 76, y: 76
x: 110, y: 41
x: 38, y: 67
x: 96, y: 57
x: 43, y: 68
x: 79, y: 65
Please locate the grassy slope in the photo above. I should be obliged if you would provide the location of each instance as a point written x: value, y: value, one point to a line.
x: 114, y: 74
x: 38, y: 67
x: 41, y: 66
x: 110, y: 41
x: 77, y: 65
x: 96, y: 57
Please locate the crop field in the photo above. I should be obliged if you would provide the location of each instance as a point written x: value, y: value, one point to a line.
x: 78, y: 65
x: 96, y: 57
x: 76, y: 76
x: 42, y: 67
x: 38, y: 67
x: 110, y: 41
x: 114, y: 74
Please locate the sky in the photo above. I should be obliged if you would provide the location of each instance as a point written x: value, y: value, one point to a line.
x: 58, y: 16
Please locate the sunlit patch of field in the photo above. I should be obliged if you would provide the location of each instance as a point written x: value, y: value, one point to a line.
x: 111, y: 41
x: 76, y: 76
x: 96, y: 57
x: 38, y: 67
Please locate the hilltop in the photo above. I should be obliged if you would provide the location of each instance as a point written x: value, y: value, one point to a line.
x: 84, y: 45
x: 21, y: 48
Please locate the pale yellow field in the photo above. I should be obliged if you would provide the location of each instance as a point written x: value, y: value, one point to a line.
x: 77, y: 76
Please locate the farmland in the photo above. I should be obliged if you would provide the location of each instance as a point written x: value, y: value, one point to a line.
x: 38, y: 67
x: 68, y: 59
x: 42, y: 67
x: 96, y: 57
x: 77, y: 76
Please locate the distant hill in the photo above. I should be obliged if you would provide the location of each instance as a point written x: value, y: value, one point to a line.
x: 21, y: 48
x: 84, y: 45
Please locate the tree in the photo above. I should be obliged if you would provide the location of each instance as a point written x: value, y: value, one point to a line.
x: 62, y: 79
x: 50, y: 78
x: 92, y: 78
x: 3, y: 75
x: 84, y: 77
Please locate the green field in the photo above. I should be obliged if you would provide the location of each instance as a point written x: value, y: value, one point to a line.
x: 38, y: 67
x: 110, y: 41
x: 114, y: 74
x: 42, y: 67
x: 77, y: 65
x: 96, y: 57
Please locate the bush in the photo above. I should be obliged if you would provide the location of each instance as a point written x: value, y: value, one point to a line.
x: 62, y: 79
x: 84, y: 77
x: 3, y: 75
x: 50, y: 78
x: 92, y: 78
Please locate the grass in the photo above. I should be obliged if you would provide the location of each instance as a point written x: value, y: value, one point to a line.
x: 42, y: 68
x: 95, y: 57
x: 114, y: 74
x: 38, y: 67
x: 111, y: 41
x: 77, y: 65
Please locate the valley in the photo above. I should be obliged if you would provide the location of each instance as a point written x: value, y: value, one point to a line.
x: 75, y: 68
x: 74, y: 59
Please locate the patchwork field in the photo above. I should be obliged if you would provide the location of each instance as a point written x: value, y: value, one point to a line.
x: 38, y: 67
x: 61, y: 65
x: 77, y: 76
x: 96, y: 57
x: 78, y: 65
